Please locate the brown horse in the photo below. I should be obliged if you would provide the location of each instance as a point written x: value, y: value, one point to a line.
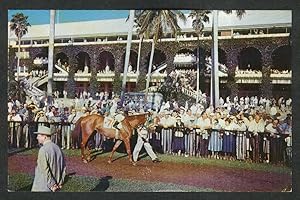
x: 89, y: 124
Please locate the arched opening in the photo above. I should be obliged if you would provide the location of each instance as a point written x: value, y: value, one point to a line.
x: 40, y: 61
x: 83, y: 59
x: 159, y: 59
x: 62, y: 58
x: 281, y: 58
x: 222, y: 58
x: 185, y: 59
x: 202, y: 55
x: 250, y: 58
x: 106, y: 60
x: 132, y: 61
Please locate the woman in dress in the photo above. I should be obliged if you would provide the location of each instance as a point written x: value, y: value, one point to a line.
x: 178, y: 140
x: 215, y: 140
x: 229, y: 140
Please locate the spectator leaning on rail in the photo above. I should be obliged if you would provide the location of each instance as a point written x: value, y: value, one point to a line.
x: 15, y: 127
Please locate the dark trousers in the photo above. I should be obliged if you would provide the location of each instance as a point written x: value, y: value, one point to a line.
x: 276, y: 149
x: 255, y: 141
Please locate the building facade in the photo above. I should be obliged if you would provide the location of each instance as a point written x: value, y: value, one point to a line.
x: 245, y: 50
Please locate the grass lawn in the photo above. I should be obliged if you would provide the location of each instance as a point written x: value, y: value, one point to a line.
x: 75, y: 183
x: 22, y: 182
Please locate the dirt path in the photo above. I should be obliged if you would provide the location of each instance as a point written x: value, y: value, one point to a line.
x: 217, y: 178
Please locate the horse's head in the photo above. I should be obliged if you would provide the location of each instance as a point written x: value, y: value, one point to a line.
x: 136, y: 120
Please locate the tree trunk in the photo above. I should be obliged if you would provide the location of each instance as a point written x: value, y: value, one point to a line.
x: 127, y: 55
x: 18, y: 58
x: 198, y: 73
x: 138, y: 59
x: 150, y: 67
x: 50, y: 54
x: 215, y: 62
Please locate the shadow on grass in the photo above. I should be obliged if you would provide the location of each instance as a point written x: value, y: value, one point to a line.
x: 69, y: 177
x: 103, y: 184
x: 28, y: 187
x: 94, y: 155
x: 13, y: 151
x: 119, y: 157
x: 143, y: 155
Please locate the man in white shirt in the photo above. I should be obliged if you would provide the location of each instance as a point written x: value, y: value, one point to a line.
x: 188, y: 120
x: 276, y: 152
x: 163, y: 122
x: 143, y: 140
x: 15, y: 127
x: 10, y: 106
x: 221, y: 101
x: 204, y: 124
x: 255, y: 127
x: 193, y: 109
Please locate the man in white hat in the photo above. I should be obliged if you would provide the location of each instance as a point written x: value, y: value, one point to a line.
x: 51, y: 168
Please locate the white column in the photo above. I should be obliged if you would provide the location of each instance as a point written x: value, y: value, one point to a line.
x: 127, y: 55
x: 198, y: 73
x: 50, y: 52
x: 138, y: 60
x: 215, y: 62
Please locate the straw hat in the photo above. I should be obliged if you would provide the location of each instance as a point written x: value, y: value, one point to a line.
x: 40, y: 112
x: 43, y: 130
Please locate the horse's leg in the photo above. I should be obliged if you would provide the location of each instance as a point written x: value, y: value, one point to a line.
x: 83, y: 144
x: 82, y: 147
x: 127, y: 145
x: 117, y: 144
x: 89, y: 154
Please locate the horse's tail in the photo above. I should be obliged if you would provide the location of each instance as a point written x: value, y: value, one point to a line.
x: 77, y: 132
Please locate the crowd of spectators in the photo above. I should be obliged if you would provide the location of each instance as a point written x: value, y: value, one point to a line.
x: 253, y: 128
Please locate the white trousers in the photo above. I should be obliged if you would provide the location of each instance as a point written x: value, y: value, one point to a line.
x: 139, y: 144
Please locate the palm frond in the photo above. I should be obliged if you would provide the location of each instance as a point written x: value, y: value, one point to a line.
x: 156, y: 23
x: 240, y: 13
x: 199, y: 16
x: 19, y: 24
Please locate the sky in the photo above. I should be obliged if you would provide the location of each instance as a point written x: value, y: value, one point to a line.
x: 36, y: 17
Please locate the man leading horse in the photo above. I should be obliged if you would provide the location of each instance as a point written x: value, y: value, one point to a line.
x: 94, y: 124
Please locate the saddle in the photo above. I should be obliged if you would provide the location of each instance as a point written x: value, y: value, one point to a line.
x: 109, y: 122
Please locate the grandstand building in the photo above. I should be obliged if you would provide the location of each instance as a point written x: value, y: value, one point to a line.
x: 259, y: 40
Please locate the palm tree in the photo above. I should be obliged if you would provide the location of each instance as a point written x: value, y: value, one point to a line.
x: 199, y: 17
x: 139, y: 57
x: 154, y: 23
x: 19, y: 25
x: 141, y: 37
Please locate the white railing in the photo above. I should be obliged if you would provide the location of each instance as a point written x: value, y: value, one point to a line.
x: 190, y: 93
x: 159, y: 68
x: 61, y: 69
x: 41, y: 81
x: 272, y: 35
x: 152, y: 89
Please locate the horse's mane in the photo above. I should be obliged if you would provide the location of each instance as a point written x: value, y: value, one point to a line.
x: 136, y: 115
x: 132, y: 118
